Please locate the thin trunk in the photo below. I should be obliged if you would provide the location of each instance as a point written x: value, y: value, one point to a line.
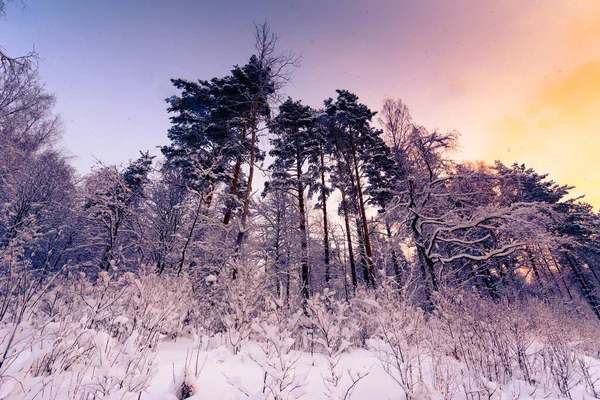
x: 395, y: 264
x: 348, y: 235
x: 562, y: 278
x: 189, y: 238
x: 425, y: 261
x: 106, y: 258
x: 361, y: 249
x: 277, y: 249
x: 233, y: 189
x: 534, y: 267
x: 590, y: 267
x: 288, y: 277
x: 587, y: 290
x: 363, y: 215
x: 244, y: 219
x: 547, y: 265
x: 325, y: 227
x: 303, y: 239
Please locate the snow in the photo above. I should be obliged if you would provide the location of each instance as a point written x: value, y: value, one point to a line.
x: 220, y: 371
x: 128, y: 338
x: 210, y: 370
x: 221, y: 367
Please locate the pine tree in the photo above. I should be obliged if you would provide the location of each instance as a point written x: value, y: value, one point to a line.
x: 205, y: 131
x: 318, y: 168
x: 349, y: 125
x: 294, y: 144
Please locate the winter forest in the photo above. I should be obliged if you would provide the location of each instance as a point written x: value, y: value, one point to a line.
x: 278, y: 251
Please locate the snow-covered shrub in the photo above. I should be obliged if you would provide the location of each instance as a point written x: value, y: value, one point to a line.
x: 160, y: 305
x: 495, y: 342
x: 559, y: 357
x: 22, y: 287
x: 87, y: 338
x: 67, y: 360
x: 399, y: 344
x: 240, y: 301
x: 278, y: 361
x: 478, y: 334
x: 331, y: 330
x: 591, y: 381
x: 362, y: 318
x: 327, y: 319
x: 150, y: 305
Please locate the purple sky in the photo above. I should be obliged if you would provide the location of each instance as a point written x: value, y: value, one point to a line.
x: 465, y: 64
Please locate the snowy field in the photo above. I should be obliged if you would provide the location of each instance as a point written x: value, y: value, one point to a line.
x: 148, y: 338
x: 138, y: 339
x: 218, y: 371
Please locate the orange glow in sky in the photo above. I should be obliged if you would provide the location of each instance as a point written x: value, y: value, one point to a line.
x: 519, y: 79
x: 544, y: 108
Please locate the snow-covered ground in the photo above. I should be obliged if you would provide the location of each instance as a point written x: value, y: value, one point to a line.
x: 138, y: 339
x: 208, y: 369
x: 217, y: 367
x: 218, y: 370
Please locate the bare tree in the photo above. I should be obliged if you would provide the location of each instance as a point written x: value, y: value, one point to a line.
x: 14, y: 63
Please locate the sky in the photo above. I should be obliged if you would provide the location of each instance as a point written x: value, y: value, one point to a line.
x: 518, y: 79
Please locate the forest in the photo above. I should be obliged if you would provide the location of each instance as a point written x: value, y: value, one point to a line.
x: 265, y: 222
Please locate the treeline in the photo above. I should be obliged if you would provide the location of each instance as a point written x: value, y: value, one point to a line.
x: 346, y: 205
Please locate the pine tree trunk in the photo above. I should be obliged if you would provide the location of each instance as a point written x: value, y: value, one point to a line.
x: 591, y: 267
x: 236, y: 178
x: 348, y: 235
x: 547, y: 265
x: 325, y: 227
x: 190, y: 236
x: 363, y: 214
x: 277, y: 250
x: 233, y: 189
x: 244, y: 219
x: 562, y: 278
x: 303, y: 238
x: 361, y: 250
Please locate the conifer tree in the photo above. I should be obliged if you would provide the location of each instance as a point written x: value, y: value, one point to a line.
x: 349, y: 122
x: 318, y: 168
x: 293, y: 145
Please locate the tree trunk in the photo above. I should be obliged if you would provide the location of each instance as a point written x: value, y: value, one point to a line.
x: 425, y: 261
x: 302, y: 227
x: 348, y: 235
x: 395, y: 263
x: 361, y: 250
x: 363, y: 214
x: 233, y: 189
x: 325, y: 227
x: 189, y: 238
x: 277, y: 250
x: 586, y: 288
x: 562, y: 277
x: 244, y: 219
